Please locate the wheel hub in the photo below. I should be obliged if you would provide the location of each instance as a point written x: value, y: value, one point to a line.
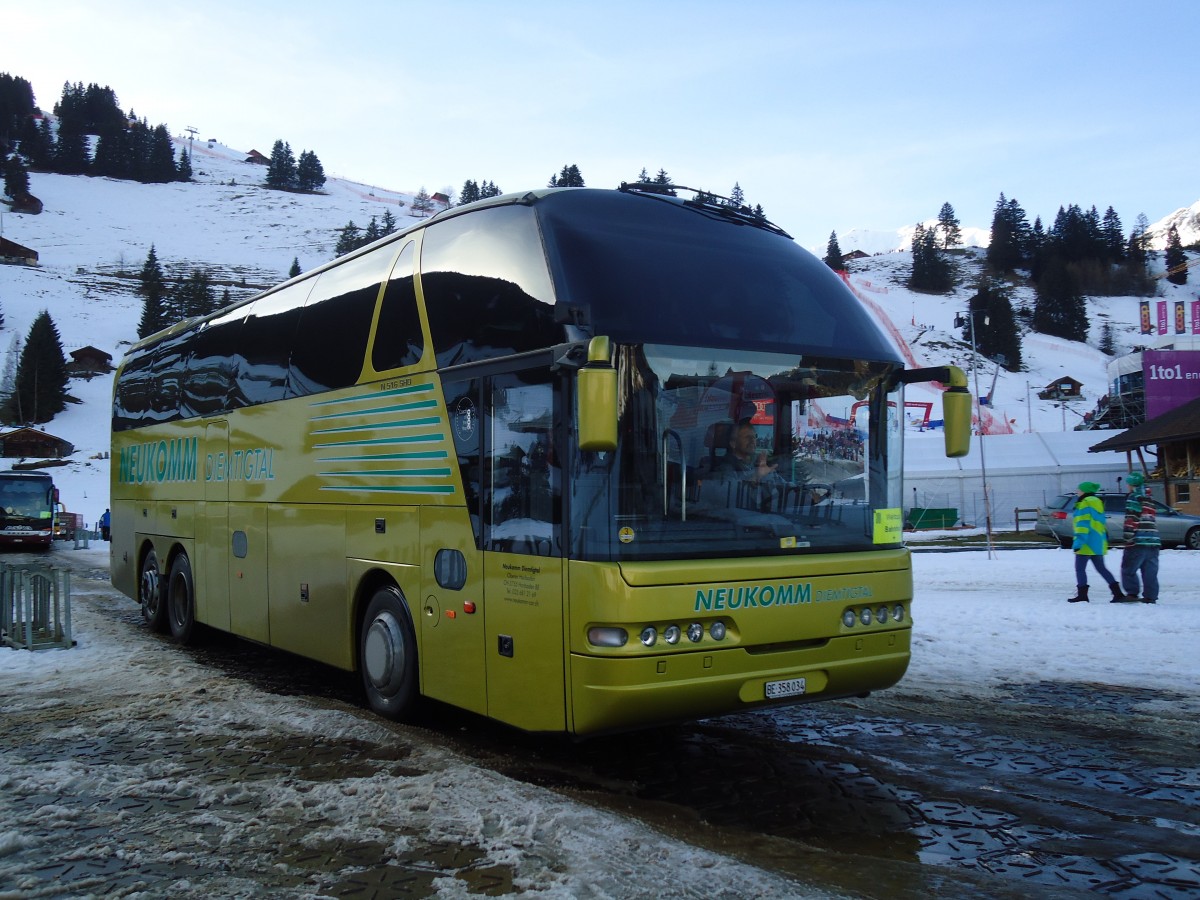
x: 383, y: 653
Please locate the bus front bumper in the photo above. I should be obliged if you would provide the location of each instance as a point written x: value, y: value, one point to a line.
x: 616, y: 693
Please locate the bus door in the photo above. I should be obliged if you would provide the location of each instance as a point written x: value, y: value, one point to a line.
x: 212, y: 565
x: 523, y: 558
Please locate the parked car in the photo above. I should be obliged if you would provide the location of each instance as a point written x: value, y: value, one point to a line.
x: 1175, y: 528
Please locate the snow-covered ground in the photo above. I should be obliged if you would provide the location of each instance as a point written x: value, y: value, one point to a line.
x: 982, y: 625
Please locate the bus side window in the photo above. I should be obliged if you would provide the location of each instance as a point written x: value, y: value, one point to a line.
x: 209, y: 379
x: 487, y: 286
x: 331, y: 339
x: 265, y: 341
x: 398, y: 338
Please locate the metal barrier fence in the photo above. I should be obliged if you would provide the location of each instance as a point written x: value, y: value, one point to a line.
x: 35, y: 607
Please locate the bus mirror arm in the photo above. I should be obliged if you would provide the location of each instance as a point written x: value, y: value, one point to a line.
x: 570, y: 356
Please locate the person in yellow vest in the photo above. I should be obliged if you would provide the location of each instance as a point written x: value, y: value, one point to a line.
x: 1091, y: 542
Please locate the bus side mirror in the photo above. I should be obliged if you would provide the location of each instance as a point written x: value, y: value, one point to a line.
x: 596, y: 398
x: 956, y: 414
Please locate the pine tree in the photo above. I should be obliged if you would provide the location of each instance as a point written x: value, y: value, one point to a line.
x: 996, y: 333
x: 1060, y: 308
x: 295, y: 269
x: 1176, y: 259
x: 469, y: 193
x: 16, y: 178
x: 153, y: 288
x: 349, y: 238
x: 183, y: 171
x: 736, y: 197
x: 663, y: 180
x: 422, y: 205
x: 8, y: 381
x: 1010, y: 245
x: 1107, y: 342
x: 310, y: 174
x: 387, y: 223
x: 281, y: 170
x: 36, y: 142
x: 833, y: 254
x: 931, y: 273
x: 570, y: 176
x: 40, y: 388
x: 1114, y: 236
x: 70, y: 151
x: 489, y: 189
x: 948, y: 225
x: 160, y: 163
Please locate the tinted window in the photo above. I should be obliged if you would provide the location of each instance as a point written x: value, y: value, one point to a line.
x: 486, y: 286
x: 639, y: 268
x: 131, y: 400
x: 208, y: 382
x: 265, y: 342
x: 331, y: 339
x: 398, y: 340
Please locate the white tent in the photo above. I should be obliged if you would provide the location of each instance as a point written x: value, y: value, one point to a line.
x: 1023, y: 472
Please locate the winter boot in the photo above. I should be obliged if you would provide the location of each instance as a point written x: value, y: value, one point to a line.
x: 1118, y: 597
x: 1148, y: 600
x: 1080, y: 595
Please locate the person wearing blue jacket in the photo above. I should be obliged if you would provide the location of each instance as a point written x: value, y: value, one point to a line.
x: 1091, y: 542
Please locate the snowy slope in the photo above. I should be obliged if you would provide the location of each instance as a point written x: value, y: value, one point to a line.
x: 95, y: 234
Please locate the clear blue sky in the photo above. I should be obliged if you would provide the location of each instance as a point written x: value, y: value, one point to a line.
x: 831, y: 115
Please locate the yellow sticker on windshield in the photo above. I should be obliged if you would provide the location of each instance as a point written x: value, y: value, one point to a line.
x: 889, y: 525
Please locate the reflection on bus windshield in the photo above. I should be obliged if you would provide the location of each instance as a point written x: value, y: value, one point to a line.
x: 724, y: 452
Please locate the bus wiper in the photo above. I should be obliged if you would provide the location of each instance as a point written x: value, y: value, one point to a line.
x: 705, y: 202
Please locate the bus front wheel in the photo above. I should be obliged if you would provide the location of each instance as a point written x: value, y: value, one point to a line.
x: 181, y: 601
x: 387, y: 655
x: 150, y: 593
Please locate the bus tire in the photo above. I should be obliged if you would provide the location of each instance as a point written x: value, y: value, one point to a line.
x: 387, y: 655
x: 181, y: 601
x: 150, y: 593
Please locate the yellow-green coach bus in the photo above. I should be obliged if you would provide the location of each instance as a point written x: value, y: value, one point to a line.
x: 576, y: 460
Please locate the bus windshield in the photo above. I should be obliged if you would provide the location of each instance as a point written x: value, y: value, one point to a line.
x: 731, y: 453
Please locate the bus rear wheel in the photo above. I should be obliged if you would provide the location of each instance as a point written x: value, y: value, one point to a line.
x: 387, y: 655
x: 181, y: 601
x: 150, y: 593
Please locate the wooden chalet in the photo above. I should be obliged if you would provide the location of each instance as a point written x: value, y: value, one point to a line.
x: 27, y: 443
x: 1064, y: 388
x: 89, y: 361
x: 14, y: 254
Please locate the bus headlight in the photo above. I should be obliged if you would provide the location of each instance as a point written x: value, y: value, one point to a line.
x: 717, y: 631
x: 671, y: 634
x: 649, y: 636
x: 898, y: 613
x: 882, y: 614
x: 607, y: 636
x: 849, y: 618
x: 695, y: 632
x: 865, y: 616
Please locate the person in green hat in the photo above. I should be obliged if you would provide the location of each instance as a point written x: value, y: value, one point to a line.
x: 1142, y: 543
x: 1091, y: 542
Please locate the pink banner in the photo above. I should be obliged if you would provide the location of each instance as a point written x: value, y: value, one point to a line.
x: 1196, y: 317
x: 1162, y: 316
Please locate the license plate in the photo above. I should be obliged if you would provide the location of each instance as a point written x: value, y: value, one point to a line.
x: 790, y: 688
